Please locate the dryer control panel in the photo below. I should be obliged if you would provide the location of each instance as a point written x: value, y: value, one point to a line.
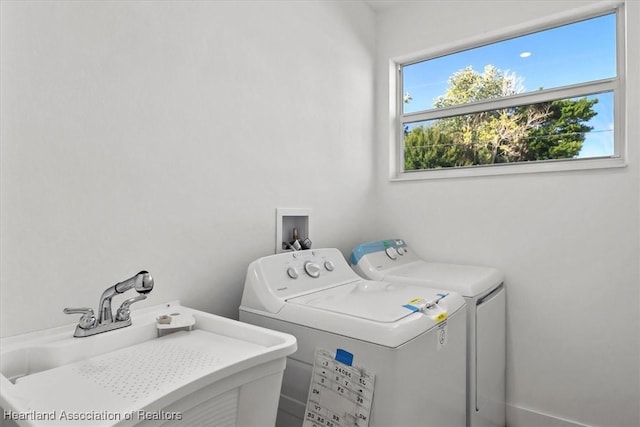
x: 373, y: 257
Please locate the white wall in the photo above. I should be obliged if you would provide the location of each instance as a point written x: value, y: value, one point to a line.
x: 164, y: 135
x: 567, y: 242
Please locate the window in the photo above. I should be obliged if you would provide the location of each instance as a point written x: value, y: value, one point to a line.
x: 546, y: 99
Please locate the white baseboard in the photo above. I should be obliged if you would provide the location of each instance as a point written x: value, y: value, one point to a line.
x: 522, y: 417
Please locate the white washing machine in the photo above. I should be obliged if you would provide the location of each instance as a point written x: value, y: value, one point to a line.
x: 411, y: 339
x: 483, y: 290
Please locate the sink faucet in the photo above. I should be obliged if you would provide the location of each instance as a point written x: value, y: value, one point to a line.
x: 141, y: 282
x: 90, y: 325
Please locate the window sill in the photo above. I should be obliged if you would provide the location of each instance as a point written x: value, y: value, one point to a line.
x: 512, y: 169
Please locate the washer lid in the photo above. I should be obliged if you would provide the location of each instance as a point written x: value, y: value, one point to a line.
x: 376, y: 301
x: 467, y: 280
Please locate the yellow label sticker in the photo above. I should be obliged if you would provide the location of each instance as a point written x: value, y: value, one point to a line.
x: 440, y: 317
x: 416, y: 300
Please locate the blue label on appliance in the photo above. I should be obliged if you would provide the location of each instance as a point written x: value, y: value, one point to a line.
x: 411, y: 307
x: 344, y: 356
x: 370, y: 247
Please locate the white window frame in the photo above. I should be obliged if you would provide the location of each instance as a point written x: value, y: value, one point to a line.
x: 616, y: 85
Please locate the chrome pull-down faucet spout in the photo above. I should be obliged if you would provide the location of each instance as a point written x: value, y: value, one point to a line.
x: 141, y: 282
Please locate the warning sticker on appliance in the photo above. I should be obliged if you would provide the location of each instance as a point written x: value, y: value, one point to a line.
x: 340, y: 394
x: 440, y: 316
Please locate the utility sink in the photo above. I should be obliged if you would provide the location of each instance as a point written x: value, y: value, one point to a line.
x: 216, y: 371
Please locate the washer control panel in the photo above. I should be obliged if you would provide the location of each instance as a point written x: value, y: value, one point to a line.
x: 311, y: 268
x: 297, y: 273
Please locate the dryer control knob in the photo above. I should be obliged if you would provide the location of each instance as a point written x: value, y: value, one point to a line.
x: 292, y: 272
x: 401, y: 250
x: 312, y: 269
x: 329, y: 265
x: 392, y: 253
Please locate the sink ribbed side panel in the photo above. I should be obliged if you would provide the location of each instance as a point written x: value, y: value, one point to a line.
x: 219, y: 411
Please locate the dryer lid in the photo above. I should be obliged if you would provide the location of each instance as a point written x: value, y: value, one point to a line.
x: 467, y: 280
x: 376, y: 301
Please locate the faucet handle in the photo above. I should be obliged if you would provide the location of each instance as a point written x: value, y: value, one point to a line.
x: 124, y: 313
x: 87, y: 320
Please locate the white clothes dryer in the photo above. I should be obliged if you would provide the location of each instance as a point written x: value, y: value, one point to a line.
x: 483, y: 289
x: 412, y: 339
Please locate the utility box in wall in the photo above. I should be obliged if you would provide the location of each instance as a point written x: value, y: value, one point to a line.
x: 288, y: 219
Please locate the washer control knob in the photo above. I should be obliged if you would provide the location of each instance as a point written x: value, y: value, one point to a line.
x: 329, y: 265
x: 392, y: 253
x: 292, y: 272
x: 401, y: 250
x: 312, y: 269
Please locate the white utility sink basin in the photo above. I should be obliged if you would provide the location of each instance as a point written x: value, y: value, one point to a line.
x: 219, y: 372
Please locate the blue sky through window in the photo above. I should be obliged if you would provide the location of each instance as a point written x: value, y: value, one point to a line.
x: 570, y: 54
